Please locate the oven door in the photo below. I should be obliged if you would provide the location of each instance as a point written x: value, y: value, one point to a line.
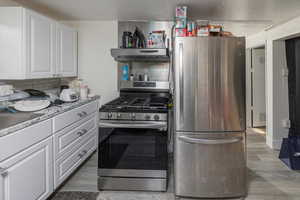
x: 133, y: 149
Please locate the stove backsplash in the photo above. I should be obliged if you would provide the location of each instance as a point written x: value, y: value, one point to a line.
x: 155, y: 71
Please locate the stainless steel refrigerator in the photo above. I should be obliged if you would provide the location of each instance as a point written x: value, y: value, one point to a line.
x: 210, y: 156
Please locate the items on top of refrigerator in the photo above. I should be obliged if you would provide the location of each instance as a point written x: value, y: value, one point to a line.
x: 156, y: 39
x: 180, y: 23
x: 215, y: 30
x: 202, y: 28
x: 181, y: 12
x: 180, y: 32
x: 191, y: 29
x: 185, y: 28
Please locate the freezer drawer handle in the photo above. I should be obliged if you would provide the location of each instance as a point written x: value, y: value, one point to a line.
x: 209, y: 141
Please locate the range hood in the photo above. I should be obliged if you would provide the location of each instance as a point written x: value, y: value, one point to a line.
x: 142, y: 55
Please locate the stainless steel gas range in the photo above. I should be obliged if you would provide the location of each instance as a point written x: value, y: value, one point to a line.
x: 133, y: 142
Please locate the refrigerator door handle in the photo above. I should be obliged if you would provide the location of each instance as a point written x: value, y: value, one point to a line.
x: 181, y: 86
x: 209, y: 141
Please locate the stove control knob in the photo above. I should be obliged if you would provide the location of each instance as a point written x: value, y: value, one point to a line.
x: 119, y: 115
x: 147, y: 117
x: 109, y: 115
x: 133, y: 116
x: 156, y: 117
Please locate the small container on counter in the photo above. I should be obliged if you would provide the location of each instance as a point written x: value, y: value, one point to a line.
x: 84, y: 90
x: 146, y: 77
x: 125, y: 72
x: 131, y: 77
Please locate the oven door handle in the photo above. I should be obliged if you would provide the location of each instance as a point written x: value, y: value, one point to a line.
x: 156, y: 125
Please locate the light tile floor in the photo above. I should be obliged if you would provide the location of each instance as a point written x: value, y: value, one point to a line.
x: 268, y: 177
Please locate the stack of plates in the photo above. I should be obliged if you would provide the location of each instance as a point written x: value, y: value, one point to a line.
x: 31, y: 105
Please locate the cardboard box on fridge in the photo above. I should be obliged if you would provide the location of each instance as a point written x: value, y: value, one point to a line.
x: 203, y: 31
x: 180, y: 23
x: 181, y: 12
x: 180, y: 32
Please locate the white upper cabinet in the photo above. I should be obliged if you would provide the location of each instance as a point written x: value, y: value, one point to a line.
x: 66, y: 51
x: 40, y: 44
x: 35, y: 46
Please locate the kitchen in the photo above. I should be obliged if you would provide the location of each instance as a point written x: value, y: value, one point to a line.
x: 137, y: 130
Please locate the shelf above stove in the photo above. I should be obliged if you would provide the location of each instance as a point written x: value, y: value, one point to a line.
x: 141, y: 55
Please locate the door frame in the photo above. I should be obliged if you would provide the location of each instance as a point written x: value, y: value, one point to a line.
x: 249, y: 85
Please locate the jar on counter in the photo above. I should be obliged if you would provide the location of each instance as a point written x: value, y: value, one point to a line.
x: 84, y: 92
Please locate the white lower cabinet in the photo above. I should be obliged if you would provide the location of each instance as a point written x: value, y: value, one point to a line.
x: 28, y: 175
x: 34, y: 161
x: 68, y: 163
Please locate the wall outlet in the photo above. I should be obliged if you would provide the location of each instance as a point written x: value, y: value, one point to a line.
x: 286, y: 123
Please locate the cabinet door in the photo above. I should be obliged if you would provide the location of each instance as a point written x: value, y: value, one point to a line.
x: 66, y: 51
x: 29, y: 174
x: 39, y: 45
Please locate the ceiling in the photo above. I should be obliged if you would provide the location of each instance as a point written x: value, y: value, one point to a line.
x: 252, y: 13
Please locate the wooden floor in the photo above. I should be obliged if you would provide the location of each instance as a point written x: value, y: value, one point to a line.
x: 268, y: 177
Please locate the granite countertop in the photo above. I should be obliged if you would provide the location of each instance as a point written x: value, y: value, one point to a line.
x: 47, y: 114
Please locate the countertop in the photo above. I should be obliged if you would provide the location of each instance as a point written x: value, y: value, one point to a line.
x: 46, y: 114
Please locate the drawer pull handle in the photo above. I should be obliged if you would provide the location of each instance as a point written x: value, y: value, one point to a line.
x: 84, y: 113
x: 84, y: 152
x: 80, y: 133
x: 84, y: 131
x: 3, y: 172
x: 80, y: 114
x: 81, y: 155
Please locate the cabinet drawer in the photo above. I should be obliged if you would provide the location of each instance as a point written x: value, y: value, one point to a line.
x: 72, y: 135
x: 72, y: 116
x: 68, y: 163
x: 22, y: 139
x: 220, y: 167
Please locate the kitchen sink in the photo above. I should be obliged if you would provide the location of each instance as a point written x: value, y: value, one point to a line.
x: 11, y: 119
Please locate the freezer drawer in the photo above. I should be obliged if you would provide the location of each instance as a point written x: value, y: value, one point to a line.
x: 210, y: 165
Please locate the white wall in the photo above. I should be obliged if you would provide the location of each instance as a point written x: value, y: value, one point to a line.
x: 259, y: 94
x: 277, y: 87
x: 95, y: 64
x: 8, y: 3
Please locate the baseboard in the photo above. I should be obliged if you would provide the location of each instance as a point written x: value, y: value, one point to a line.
x: 277, y: 144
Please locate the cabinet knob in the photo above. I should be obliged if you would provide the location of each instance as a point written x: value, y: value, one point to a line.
x: 84, y: 152
x: 84, y: 131
x: 80, y: 155
x: 3, y: 172
x: 80, y: 133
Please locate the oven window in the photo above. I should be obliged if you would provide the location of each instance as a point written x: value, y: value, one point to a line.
x: 134, y: 149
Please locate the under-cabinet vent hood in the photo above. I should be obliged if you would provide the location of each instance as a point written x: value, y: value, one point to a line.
x: 142, y: 55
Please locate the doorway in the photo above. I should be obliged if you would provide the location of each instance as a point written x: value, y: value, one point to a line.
x: 256, y: 89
